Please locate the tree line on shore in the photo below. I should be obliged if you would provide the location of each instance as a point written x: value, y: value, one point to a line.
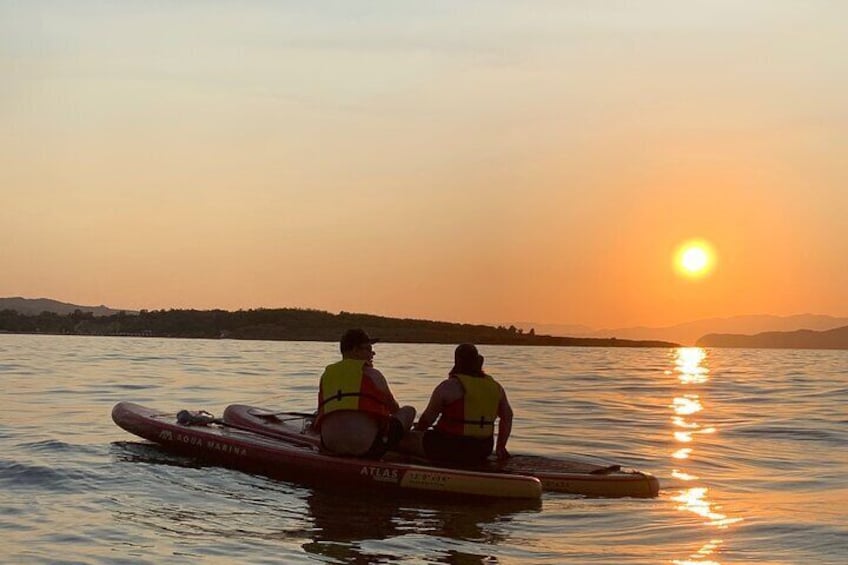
x: 289, y: 324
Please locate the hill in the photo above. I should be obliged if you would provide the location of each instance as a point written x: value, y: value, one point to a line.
x: 290, y: 324
x: 35, y: 306
x: 800, y: 339
x: 688, y: 333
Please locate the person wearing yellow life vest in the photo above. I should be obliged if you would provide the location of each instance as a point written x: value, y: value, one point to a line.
x: 464, y: 408
x: 357, y: 413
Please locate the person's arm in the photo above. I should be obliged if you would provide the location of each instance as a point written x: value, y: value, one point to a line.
x: 380, y: 382
x: 434, y: 407
x: 504, y: 426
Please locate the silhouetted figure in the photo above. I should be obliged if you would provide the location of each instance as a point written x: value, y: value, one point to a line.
x: 463, y: 408
x: 357, y: 413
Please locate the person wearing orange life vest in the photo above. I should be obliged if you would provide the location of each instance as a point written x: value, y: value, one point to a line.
x: 357, y: 413
x: 463, y: 408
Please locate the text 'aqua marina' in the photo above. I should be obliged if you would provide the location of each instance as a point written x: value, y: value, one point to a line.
x: 194, y: 441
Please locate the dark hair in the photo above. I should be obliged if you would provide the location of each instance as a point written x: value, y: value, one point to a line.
x: 353, y: 338
x: 467, y: 360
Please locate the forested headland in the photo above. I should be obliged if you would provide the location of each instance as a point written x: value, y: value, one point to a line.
x: 289, y: 324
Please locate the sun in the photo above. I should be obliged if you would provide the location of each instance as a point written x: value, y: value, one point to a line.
x: 694, y: 258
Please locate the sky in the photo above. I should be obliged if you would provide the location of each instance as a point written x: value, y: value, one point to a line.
x: 481, y: 162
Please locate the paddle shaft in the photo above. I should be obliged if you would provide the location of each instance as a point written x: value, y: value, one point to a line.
x: 307, y: 415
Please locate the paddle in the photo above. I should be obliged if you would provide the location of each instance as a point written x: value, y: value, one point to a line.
x: 259, y: 413
x: 202, y: 417
x: 606, y: 470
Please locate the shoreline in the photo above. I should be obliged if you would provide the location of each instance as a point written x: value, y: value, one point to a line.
x: 540, y: 341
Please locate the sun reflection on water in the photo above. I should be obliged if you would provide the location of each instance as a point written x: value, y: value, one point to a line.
x: 689, y: 367
x: 683, y: 476
x: 694, y: 500
x: 699, y: 558
x: 691, y: 371
x: 682, y: 453
x: 687, y: 405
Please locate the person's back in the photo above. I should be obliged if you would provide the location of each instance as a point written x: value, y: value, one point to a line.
x: 356, y: 408
x: 349, y: 433
x: 464, y: 408
x: 471, y: 412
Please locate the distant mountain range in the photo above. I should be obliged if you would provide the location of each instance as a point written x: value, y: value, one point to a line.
x: 800, y: 339
x: 690, y: 332
x: 35, y: 306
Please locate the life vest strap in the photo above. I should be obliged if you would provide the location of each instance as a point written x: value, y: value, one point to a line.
x: 482, y: 422
x: 339, y: 395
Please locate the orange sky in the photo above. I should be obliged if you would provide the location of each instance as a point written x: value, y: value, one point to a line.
x: 472, y: 162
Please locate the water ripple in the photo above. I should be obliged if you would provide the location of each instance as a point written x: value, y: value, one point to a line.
x: 748, y: 445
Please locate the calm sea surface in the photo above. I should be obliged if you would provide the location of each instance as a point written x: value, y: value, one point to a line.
x: 751, y: 448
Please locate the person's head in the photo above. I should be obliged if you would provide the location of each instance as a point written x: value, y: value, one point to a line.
x: 467, y: 360
x: 355, y: 344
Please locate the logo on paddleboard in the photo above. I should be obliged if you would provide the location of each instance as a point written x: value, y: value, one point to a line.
x: 194, y: 441
x: 381, y: 474
x: 425, y: 478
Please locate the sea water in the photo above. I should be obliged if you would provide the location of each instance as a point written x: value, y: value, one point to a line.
x: 750, y: 446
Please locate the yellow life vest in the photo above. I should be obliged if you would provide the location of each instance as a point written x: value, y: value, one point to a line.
x: 474, y: 414
x: 344, y: 386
